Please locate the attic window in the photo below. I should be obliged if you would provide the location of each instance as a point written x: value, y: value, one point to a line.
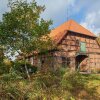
x: 82, y: 46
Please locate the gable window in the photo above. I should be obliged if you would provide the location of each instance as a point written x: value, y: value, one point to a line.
x: 82, y: 46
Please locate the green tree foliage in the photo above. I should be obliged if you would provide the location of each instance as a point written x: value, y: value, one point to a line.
x: 22, y: 27
x: 1, y: 54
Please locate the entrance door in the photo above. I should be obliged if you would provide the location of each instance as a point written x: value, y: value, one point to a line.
x: 79, y: 59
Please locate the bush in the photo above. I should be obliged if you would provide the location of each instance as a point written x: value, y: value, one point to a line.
x: 72, y: 81
x: 4, y: 68
x: 59, y: 85
x: 20, y: 67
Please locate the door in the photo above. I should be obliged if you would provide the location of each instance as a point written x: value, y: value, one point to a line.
x: 79, y: 59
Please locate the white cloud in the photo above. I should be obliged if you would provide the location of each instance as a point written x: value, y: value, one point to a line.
x: 91, y: 22
x: 92, y: 17
x: 55, y: 6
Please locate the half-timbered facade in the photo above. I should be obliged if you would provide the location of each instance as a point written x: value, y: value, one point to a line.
x: 77, y: 48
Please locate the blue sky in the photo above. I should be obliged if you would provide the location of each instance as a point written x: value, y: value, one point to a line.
x: 85, y: 12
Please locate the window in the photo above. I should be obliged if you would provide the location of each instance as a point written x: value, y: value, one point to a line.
x: 64, y: 62
x: 82, y: 47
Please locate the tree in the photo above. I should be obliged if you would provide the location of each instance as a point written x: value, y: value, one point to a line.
x: 22, y: 27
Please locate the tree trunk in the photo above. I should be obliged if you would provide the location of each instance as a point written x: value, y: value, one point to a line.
x: 27, y: 72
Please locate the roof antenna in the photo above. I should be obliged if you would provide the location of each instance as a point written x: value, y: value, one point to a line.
x: 68, y: 10
x: 67, y: 14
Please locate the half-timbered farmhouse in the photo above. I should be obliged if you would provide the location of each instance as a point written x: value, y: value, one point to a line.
x: 76, y: 48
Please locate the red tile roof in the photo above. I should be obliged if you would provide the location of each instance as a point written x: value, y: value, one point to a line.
x: 58, y: 33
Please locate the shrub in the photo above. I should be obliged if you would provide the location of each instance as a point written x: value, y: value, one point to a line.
x: 59, y: 85
x: 4, y: 68
x: 20, y: 67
